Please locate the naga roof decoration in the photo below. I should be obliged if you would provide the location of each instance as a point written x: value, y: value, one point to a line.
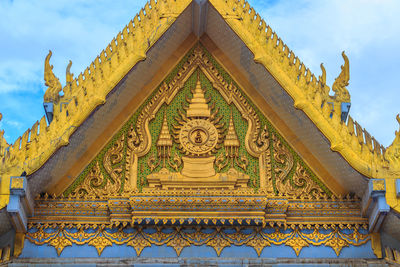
x: 89, y: 90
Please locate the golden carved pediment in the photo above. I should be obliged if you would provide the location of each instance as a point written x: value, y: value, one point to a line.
x: 197, y: 131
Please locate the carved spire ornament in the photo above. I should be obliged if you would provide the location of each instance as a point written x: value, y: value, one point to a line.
x: 199, y: 134
x: 164, y: 142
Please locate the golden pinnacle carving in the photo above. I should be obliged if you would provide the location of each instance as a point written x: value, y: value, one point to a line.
x: 198, y: 107
x: 231, y: 145
x: 199, y: 132
x: 164, y: 142
x: 231, y: 142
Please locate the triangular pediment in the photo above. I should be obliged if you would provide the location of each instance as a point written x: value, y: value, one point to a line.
x: 195, y: 121
x: 198, y: 130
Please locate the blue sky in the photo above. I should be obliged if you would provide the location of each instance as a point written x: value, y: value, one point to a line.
x: 317, y: 31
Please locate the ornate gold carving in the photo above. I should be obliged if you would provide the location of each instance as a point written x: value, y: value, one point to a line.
x: 215, y: 237
x: 91, y: 183
x: 164, y: 142
x: 96, y: 184
x: 239, y: 206
x: 199, y: 134
x: 301, y: 183
x: 198, y: 137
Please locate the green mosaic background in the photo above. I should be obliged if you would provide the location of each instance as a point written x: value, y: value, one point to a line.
x: 171, y: 112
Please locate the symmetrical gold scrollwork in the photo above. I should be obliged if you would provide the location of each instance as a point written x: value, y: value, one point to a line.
x: 95, y: 184
x: 301, y: 184
x: 215, y: 237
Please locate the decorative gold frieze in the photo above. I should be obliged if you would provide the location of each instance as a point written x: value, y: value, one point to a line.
x: 179, y: 238
x: 198, y: 205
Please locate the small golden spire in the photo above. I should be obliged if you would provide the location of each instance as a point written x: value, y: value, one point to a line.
x: 231, y: 142
x: 198, y: 106
x: 231, y: 139
x: 164, y: 142
x: 164, y: 139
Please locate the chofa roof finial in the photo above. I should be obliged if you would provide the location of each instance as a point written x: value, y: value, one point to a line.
x: 340, y: 83
x: 53, y: 83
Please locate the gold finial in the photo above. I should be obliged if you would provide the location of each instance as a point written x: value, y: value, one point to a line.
x: 1, y: 116
x: 68, y: 75
x: 322, y: 78
x: 53, y: 83
x: 340, y: 83
x: 198, y: 106
x: 392, y: 152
